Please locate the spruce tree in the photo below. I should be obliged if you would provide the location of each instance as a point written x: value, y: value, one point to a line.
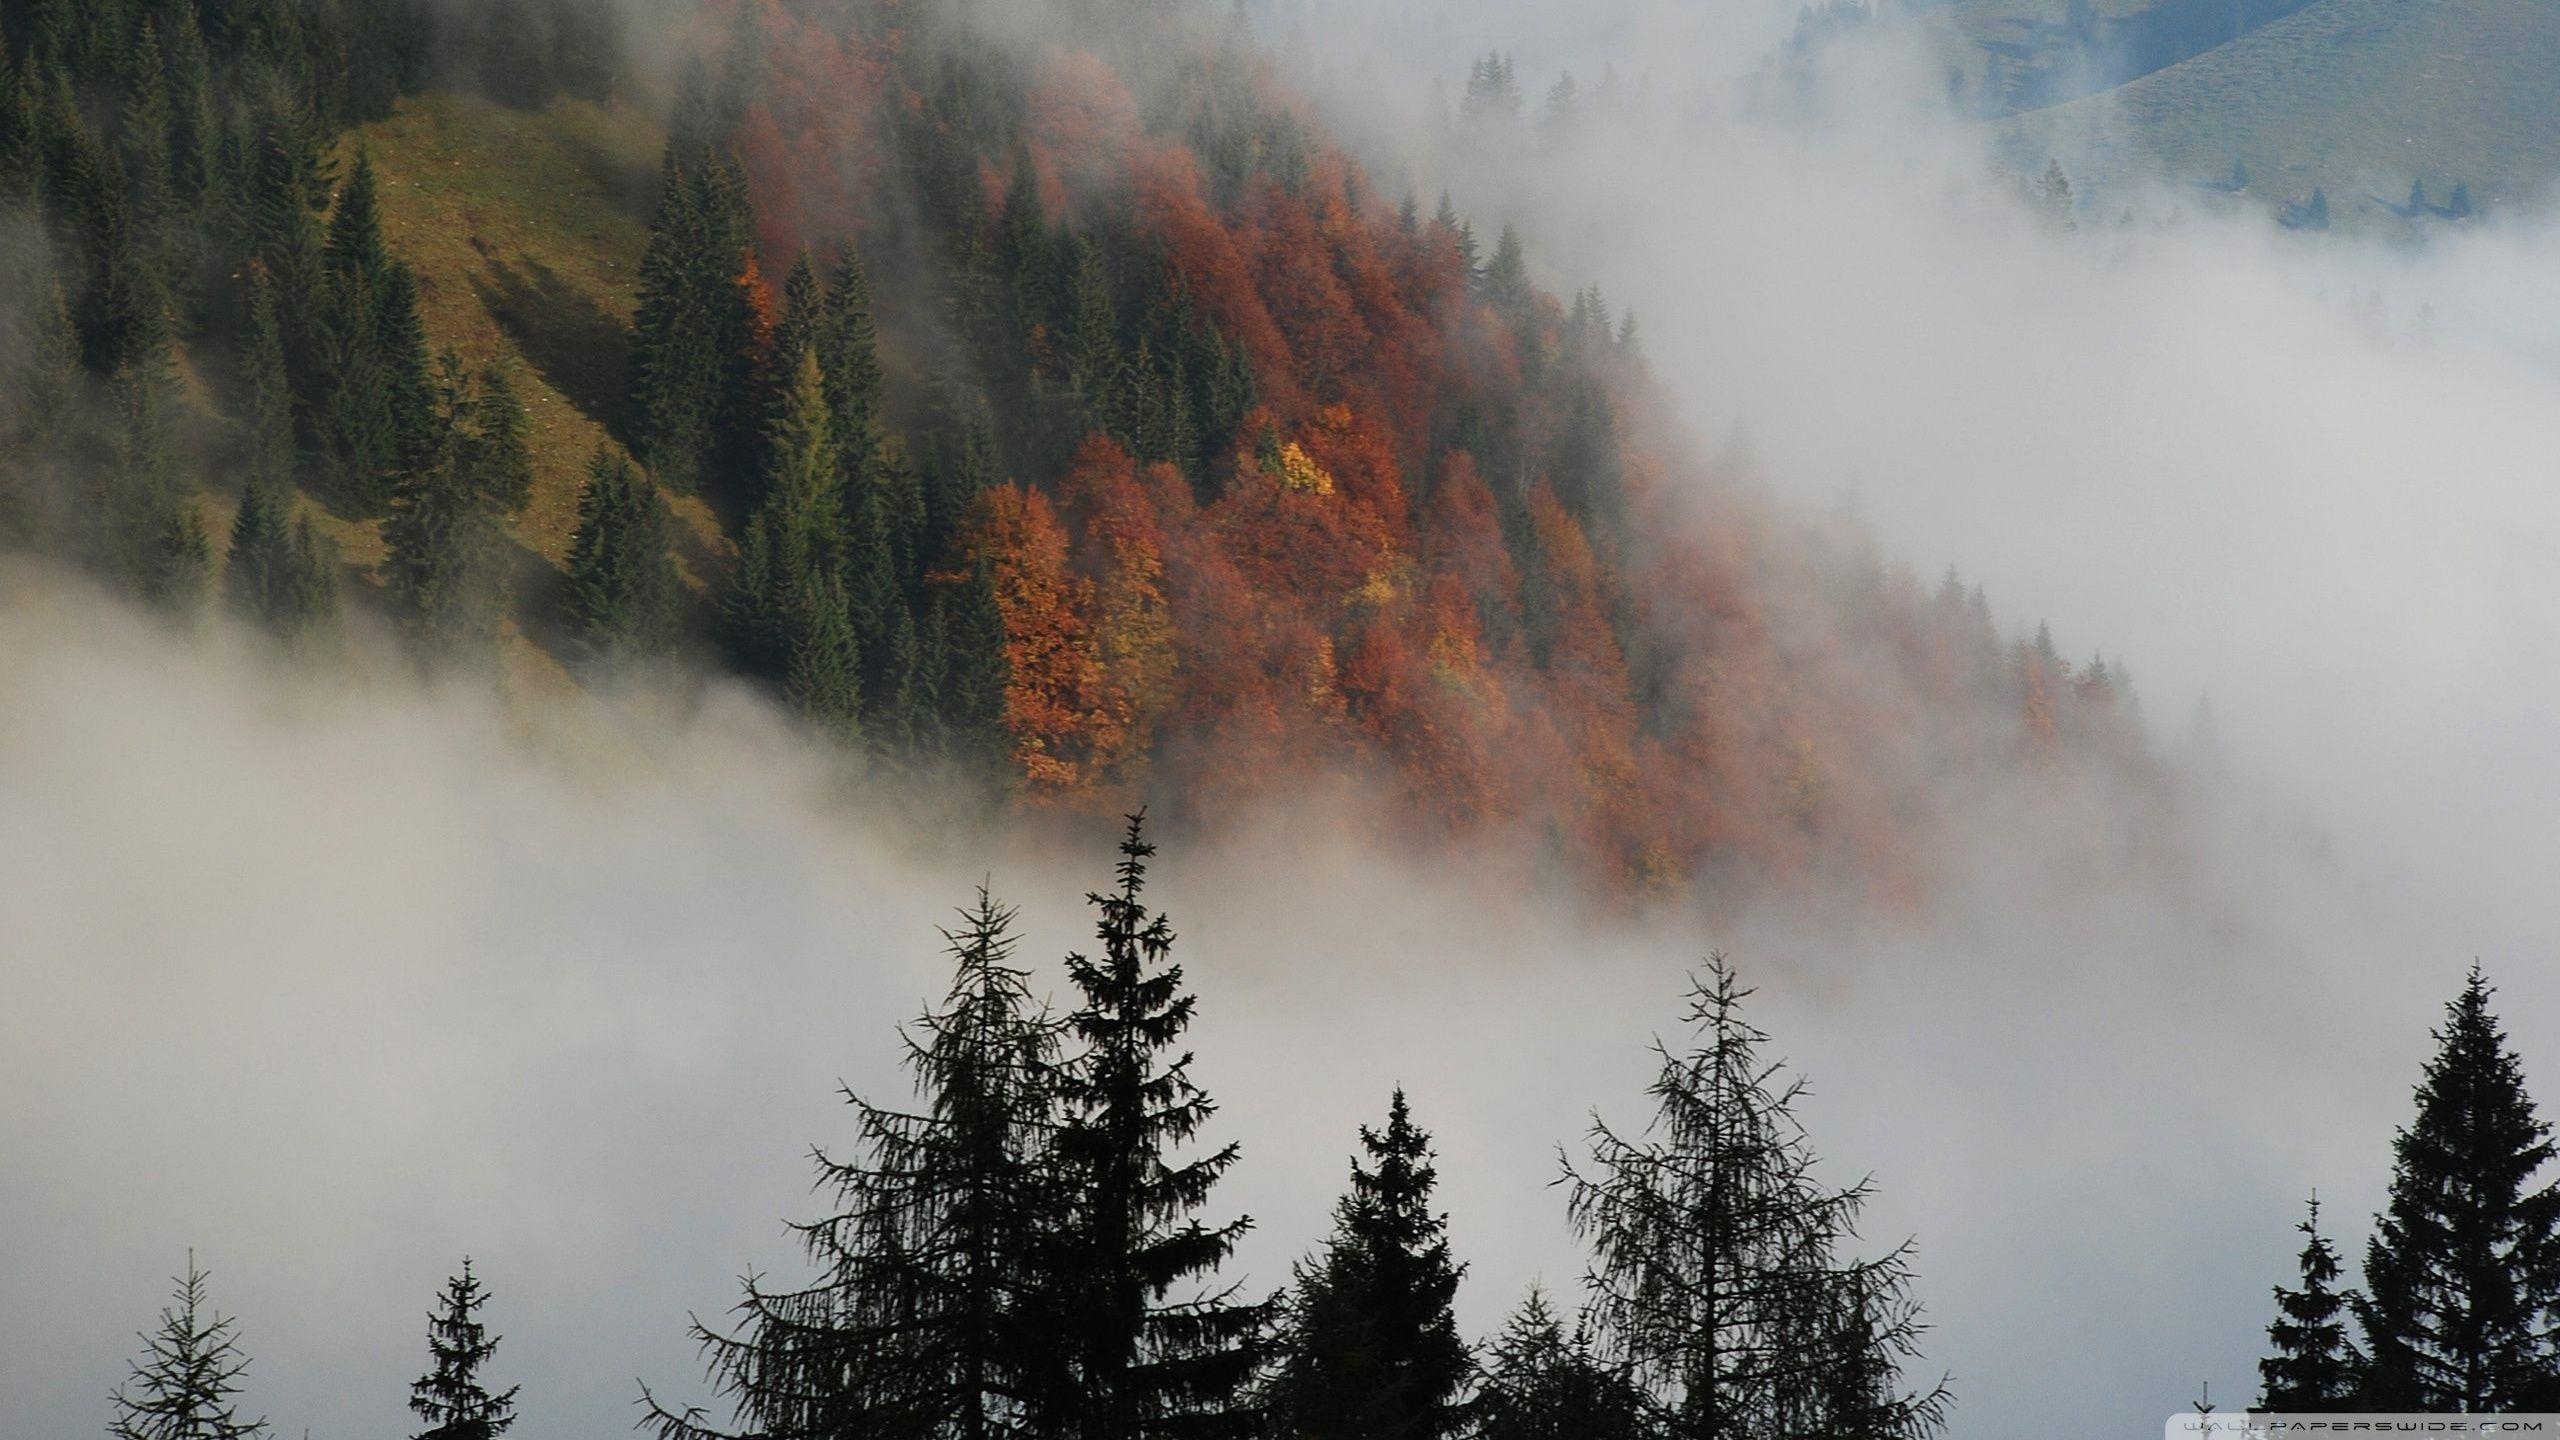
x: 143, y: 530
x: 915, y: 1326
x: 692, y: 354
x: 269, y: 420
x: 451, y: 1399
x: 801, y: 475
x: 798, y: 327
x: 824, y: 682
x: 1145, y: 1343
x: 400, y: 340
x: 2312, y: 1367
x: 49, y: 380
x: 1542, y: 1384
x: 187, y: 1383
x: 356, y: 425
x: 260, y: 556
x: 1715, y: 1272
x: 976, y: 670
x: 1506, y: 277
x: 355, y: 245
x: 445, y: 566
x: 2463, y: 1272
x: 848, y: 356
x: 311, y: 581
x: 624, y: 598
x: 1370, y: 1349
x: 501, y: 448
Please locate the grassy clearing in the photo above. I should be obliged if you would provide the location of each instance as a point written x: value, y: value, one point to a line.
x: 526, y: 230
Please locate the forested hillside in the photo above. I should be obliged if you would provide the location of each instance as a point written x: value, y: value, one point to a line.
x: 1038, y: 402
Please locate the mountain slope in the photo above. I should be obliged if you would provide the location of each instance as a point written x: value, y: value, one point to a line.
x: 2352, y: 96
x: 1083, y: 422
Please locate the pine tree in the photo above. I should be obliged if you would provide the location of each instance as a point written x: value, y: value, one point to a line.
x: 2460, y: 1278
x: 976, y: 672
x: 269, y: 421
x: 48, y: 374
x: 624, y: 597
x: 261, y: 554
x: 185, y: 1385
x: 1145, y: 1345
x: 445, y: 566
x: 1093, y: 332
x: 451, y: 1398
x: 1506, y: 278
x: 1715, y: 1271
x: 143, y: 530
x: 502, y: 451
x: 824, y: 682
x: 400, y: 342
x: 803, y: 312
x: 2313, y: 1367
x: 356, y: 424
x: 284, y: 244
x: 693, y: 350
x: 915, y: 1326
x: 848, y: 356
x: 1371, y: 1347
x: 1542, y: 1384
x: 310, y: 598
x: 355, y: 245
x: 801, y: 475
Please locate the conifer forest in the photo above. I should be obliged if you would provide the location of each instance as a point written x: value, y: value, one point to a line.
x: 1275, y: 719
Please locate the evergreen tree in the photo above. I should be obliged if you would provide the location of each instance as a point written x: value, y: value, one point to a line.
x: 2313, y: 1367
x: 803, y: 312
x: 400, y: 339
x: 279, y: 575
x: 356, y: 425
x: 878, y: 605
x: 1093, y: 332
x: 693, y: 350
x: 848, y: 357
x: 355, y: 245
x: 1715, y: 1273
x: 502, y: 449
x: 975, y: 671
x: 269, y: 421
x: 451, y: 1398
x: 1143, y: 1344
x: 185, y: 1385
x: 48, y: 375
x: 445, y: 566
x: 801, y: 476
x: 144, y: 531
x: 1506, y: 278
x: 624, y: 597
x: 284, y: 243
x: 824, y: 682
x: 2460, y: 1279
x: 915, y: 1326
x: 1371, y: 1347
x: 1542, y: 1384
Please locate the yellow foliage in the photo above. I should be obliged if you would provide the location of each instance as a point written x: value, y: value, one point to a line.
x: 1300, y: 472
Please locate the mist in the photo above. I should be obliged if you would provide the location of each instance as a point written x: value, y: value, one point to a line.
x: 2304, y: 480
x: 336, y: 979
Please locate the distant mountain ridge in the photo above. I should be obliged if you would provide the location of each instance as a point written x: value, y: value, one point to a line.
x: 2353, y: 98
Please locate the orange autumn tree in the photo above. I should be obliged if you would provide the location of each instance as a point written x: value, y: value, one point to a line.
x: 1053, y: 663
